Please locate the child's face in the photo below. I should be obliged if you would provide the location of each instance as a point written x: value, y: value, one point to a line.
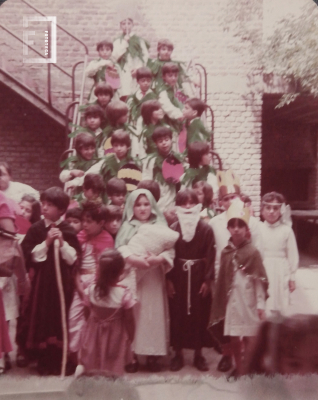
x: 238, y: 233
x: 26, y: 209
x: 164, y: 145
x: 50, y: 211
x: 144, y: 84
x: 75, y: 223
x: 227, y: 200
x: 123, y: 119
x: 157, y: 115
x: 142, y: 209
x: 113, y: 226
x: 126, y: 26
x: 120, y: 150
x: 188, y: 112
x: 118, y: 199
x: 91, y: 227
x: 200, y: 194
x: 271, y: 212
x: 171, y: 78
x: 206, y: 159
x: 103, y: 99
x: 164, y: 53
x: 90, y: 194
x: 105, y: 52
x: 93, y: 122
x: 189, y: 204
x: 87, y: 152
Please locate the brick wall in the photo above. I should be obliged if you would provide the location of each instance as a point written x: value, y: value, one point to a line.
x: 202, y: 31
x: 30, y: 142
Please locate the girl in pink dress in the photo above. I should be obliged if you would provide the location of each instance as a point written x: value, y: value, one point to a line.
x: 109, y: 330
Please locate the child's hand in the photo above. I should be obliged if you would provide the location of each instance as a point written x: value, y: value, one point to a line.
x: 54, y: 233
x: 170, y: 288
x: 205, y: 289
x: 76, y: 173
x: 154, y: 261
x: 292, y: 286
x: 261, y: 314
x: 138, y: 262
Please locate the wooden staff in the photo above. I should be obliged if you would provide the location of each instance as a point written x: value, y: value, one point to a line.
x: 62, y: 302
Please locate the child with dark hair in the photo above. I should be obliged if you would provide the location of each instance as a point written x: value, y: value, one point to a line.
x: 116, y: 190
x: 74, y: 217
x: 93, y: 119
x: 135, y: 101
x: 30, y: 208
x: 109, y: 331
x: 280, y: 252
x: 131, y: 53
x: 94, y: 240
x: 189, y: 282
x: 104, y: 68
x: 241, y: 288
x: 152, y: 186
x: 152, y: 115
x: 204, y: 192
x: 170, y: 104
x: 195, y: 130
x: 93, y: 190
x: 165, y: 48
x: 113, y: 219
x: 117, y: 115
x: 153, y: 164
x: 76, y: 166
x: 200, y: 160
x: 119, y: 161
x: 42, y: 338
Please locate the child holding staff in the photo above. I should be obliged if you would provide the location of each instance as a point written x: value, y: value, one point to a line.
x: 280, y: 253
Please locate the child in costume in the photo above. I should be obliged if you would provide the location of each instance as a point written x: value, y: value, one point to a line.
x: 131, y: 53
x: 241, y: 288
x: 113, y: 218
x: 279, y: 251
x: 165, y: 48
x: 229, y: 190
x: 93, y: 190
x: 43, y: 330
x: 76, y: 166
x: 200, y: 160
x: 94, y: 240
x: 104, y: 93
x: 204, y: 192
x: 193, y: 129
x: 189, y: 282
x: 152, y: 186
x: 74, y: 217
x: 108, y: 332
x: 146, y: 244
x: 171, y: 105
x: 103, y: 69
x: 153, y: 164
x: 152, y: 115
x: 117, y: 113
x: 116, y: 190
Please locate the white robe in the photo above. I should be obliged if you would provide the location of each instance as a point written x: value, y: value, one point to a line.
x: 281, y: 260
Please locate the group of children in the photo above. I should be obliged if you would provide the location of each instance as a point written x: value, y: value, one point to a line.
x: 155, y: 248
